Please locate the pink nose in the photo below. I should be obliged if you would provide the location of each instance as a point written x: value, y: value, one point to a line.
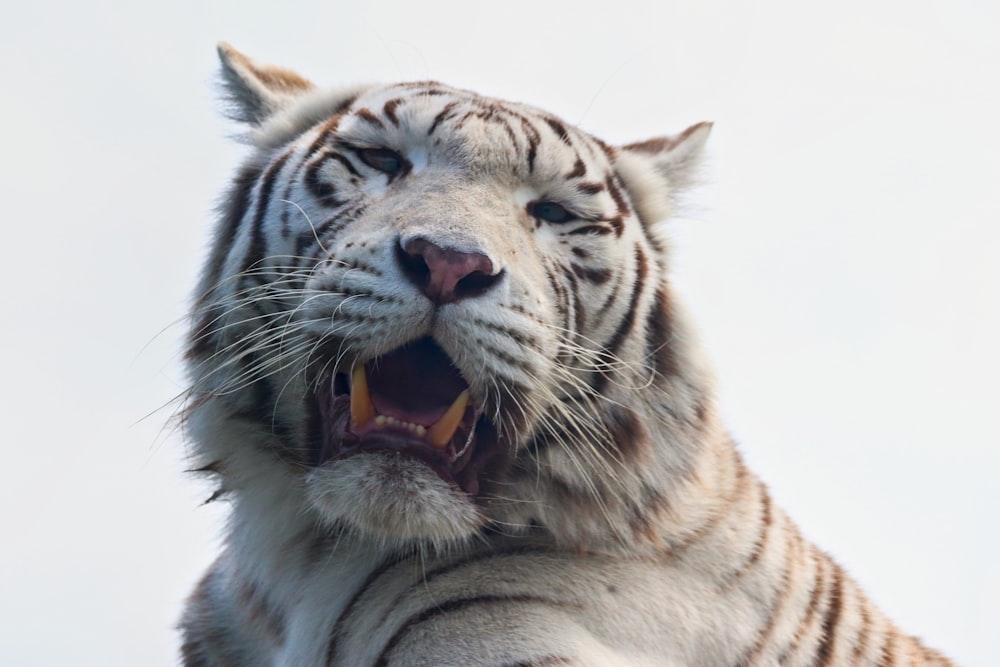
x: 446, y: 275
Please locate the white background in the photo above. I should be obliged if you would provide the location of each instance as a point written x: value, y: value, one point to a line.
x: 841, y: 260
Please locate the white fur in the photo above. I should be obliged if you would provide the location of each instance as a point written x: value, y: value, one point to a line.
x: 627, y: 531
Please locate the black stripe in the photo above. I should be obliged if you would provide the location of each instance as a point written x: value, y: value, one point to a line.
x: 517, y: 336
x: 819, y: 587
x: 614, y: 345
x: 442, y: 116
x: 590, y: 274
x: 763, y: 531
x: 793, y: 541
x: 257, y: 248
x: 659, y: 334
x: 562, y: 300
x: 863, y: 632
x: 348, y: 165
x: 286, y: 229
x: 544, y: 661
x: 559, y: 129
x: 389, y: 109
x: 506, y: 357
x: 534, y: 138
x: 602, y: 310
x: 824, y: 655
x: 589, y: 188
x: 599, y: 230
x: 373, y: 576
x: 324, y: 191
x: 366, y: 115
x: 238, y: 197
x: 574, y: 300
x: 887, y: 654
x: 453, y: 606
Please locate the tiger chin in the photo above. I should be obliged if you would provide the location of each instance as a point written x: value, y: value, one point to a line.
x: 461, y: 418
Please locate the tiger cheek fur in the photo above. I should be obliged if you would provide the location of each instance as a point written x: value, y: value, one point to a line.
x: 440, y: 373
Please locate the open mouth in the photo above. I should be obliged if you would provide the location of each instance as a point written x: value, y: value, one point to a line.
x: 412, y: 401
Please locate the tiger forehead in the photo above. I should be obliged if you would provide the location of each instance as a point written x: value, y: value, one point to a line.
x: 474, y: 130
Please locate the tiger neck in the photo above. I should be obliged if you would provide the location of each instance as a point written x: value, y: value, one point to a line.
x: 663, y: 467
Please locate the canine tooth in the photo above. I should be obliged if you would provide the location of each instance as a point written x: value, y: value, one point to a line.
x: 362, y: 410
x: 441, y: 433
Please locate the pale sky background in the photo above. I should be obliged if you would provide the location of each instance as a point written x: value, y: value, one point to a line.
x: 841, y: 261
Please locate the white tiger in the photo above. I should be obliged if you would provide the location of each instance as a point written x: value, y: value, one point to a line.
x: 440, y: 374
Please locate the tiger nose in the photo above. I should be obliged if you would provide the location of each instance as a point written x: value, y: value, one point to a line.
x: 443, y: 274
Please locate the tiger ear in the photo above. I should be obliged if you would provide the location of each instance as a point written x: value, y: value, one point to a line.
x: 254, y: 91
x: 655, y: 170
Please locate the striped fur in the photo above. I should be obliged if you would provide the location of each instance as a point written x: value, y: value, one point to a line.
x: 615, y: 524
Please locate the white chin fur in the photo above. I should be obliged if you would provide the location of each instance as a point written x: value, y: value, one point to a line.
x: 394, y: 498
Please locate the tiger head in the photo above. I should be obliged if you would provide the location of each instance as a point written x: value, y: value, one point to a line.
x: 429, y: 313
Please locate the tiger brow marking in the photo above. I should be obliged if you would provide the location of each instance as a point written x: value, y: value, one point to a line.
x: 365, y: 114
x: 328, y: 129
x: 389, y: 109
x: 534, y: 138
x: 589, y: 188
x: 579, y: 169
x: 616, y: 195
x: 559, y: 129
x: 442, y: 116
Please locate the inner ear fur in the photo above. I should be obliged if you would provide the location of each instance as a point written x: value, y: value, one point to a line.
x: 656, y: 170
x: 254, y: 91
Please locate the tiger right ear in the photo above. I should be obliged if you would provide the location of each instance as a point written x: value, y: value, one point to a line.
x: 656, y: 170
x: 254, y: 91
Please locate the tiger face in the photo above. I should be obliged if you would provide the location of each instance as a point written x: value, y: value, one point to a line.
x: 422, y: 303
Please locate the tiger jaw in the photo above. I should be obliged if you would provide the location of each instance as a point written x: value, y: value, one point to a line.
x: 410, y: 402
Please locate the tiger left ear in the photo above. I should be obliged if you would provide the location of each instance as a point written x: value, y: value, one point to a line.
x: 255, y: 91
x: 654, y: 170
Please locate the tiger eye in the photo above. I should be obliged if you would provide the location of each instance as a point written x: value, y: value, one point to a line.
x: 382, y: 159
x: 550, y: 212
